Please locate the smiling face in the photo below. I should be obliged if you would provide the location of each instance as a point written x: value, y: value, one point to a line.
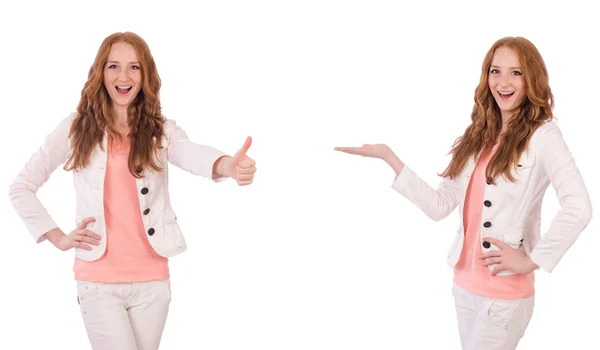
x: 122, y: 75
x: 506, y: 81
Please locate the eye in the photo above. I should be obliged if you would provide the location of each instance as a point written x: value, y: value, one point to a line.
x: 494, y: 71
x: 135, y: 67
x: 112, y: 66
x: 516, y: 72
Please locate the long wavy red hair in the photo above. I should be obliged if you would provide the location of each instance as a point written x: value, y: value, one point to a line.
x: 94, y: 118
x: 486, y: 119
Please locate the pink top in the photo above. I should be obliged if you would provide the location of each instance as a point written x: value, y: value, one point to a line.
x: 469, y: 272
x: 128, y: 256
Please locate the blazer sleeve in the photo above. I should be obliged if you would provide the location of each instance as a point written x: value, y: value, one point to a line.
x: 435, y: 203
x: 187, y: 155
x: 575, y: 205
x: 37, y: 171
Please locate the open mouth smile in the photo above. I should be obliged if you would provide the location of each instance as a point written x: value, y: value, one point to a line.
x: 505, y: 95
x: 123, y: 89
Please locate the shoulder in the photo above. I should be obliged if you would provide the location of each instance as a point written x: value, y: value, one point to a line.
x: 546, y: 133
x: 172, y: 132
x: 64, y: 126
x: 549, y: 126
x: 169, y: 126
x: 68, y: 120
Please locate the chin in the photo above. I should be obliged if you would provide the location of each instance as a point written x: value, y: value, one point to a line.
x: 121, y: 103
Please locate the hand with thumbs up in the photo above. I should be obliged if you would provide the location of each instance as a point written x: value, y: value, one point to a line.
x: 240, y: 167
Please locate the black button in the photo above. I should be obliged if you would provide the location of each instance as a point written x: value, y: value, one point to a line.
x: 521, y: 240
x: 487, y: 224
x: 486, y: 245
x: 151, y: 231
x: 487, y: 203
x: 146, y: 211
x: 519, y: 165
x: 144, y: 190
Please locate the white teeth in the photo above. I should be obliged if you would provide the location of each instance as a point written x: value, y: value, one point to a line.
x: 505, y: 93
x: 124, y: 87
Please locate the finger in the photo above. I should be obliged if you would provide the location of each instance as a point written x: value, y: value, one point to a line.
x: 242, y: 151
x: 89, y: 239
x: 497, y: 269
x: 245, y: 177
x: 81, y: 245
x: 85, y: 239
x: 81, y: 234
x: 490, y: 254
x: 246, y: 162
x: 498, y: 243
x: 492, y: 261
x: 250, y: 170
x: 350, y: 150
x: 92, y: 234
x: 85, y: 222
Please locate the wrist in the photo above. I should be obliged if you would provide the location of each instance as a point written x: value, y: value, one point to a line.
x: 531, y: 266
x: 220, y: 166
x: 54, y: 235
x: 393, y: 161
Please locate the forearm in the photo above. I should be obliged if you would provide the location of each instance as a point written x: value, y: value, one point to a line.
x: 23, y: 197
x: 194, y: 158
x: 393, y: 161
x: 565, y: 228
x: 54, y: 235
x: 435, y: 203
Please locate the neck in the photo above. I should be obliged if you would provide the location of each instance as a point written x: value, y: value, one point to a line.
x: 119, y: 115
x: 505, y: 118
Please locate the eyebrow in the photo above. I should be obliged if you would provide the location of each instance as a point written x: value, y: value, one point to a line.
x: 493, y: 66
x: 118, y: 62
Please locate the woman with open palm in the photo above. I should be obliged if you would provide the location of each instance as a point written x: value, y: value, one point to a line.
x: 498, y: 174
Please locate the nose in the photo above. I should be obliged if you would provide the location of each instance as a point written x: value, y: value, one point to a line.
x: 123, y: 75
x: 503, y: 80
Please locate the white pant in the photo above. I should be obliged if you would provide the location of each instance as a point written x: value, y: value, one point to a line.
x: 124, y: 316
x: 491, y: 324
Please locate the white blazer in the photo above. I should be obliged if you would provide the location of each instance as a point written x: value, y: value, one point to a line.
x: 512, y: 211
x: 160, y: 221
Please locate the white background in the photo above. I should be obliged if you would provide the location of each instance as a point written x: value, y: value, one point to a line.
x: 320, y: 252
